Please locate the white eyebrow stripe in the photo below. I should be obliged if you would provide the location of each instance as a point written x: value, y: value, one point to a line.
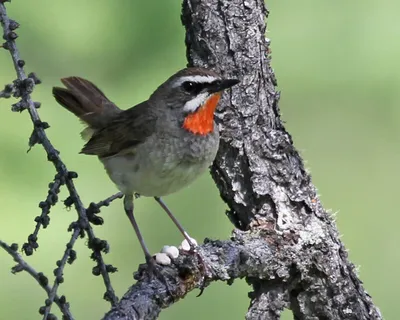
x: 196, y: 102
x: 199, y: 79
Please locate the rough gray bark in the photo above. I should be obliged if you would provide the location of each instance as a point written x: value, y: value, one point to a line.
x: 286, y: 244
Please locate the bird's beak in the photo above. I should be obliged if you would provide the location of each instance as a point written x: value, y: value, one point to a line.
x: 220, y: 85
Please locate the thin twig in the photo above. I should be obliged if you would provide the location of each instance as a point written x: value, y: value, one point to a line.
x: 23, y: 87
x: 4, y: 94
x: 94, y: 208
x: 41, y: 279
x: 106, y: 202
x: 43, y: 219
x: 60, y: 270
x: 99, y: 246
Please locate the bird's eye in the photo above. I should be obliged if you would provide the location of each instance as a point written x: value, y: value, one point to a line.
x: 192, y: 87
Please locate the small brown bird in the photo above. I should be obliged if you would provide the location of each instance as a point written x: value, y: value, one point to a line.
x: 157, y: 147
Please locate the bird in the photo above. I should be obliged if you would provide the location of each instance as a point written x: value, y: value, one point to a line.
x: 154, y: 148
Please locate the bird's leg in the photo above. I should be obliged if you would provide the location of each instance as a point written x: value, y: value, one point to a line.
x: 128, y: 206
x: 176, y: 222
x: 151, y: 263
x: 188, y: 239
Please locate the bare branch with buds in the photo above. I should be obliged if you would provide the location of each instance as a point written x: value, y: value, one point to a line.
x: 22, y: 88
x: 41, y: 279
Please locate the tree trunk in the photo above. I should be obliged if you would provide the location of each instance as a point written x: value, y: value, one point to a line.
x: 286, y: 244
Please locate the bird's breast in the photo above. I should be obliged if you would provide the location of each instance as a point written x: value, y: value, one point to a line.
x: 163, y: 164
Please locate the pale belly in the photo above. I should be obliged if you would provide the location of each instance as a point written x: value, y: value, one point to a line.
x: 148, y: 180
x: 156, y: 174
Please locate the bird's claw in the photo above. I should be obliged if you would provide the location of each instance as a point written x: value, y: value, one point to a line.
x: 154, y: 264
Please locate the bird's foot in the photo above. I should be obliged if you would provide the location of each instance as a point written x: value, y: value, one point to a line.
x: 154, y: 266
x: 153, y: 270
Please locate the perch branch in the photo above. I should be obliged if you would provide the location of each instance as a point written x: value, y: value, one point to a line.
x: 245, y: 255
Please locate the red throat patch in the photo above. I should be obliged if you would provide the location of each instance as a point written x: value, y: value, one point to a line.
x: 202, y: 121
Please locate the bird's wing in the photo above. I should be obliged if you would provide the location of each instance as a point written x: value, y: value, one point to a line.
x: 128, y: 129
x: 86, y: 101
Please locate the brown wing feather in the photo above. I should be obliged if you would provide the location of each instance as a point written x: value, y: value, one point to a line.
x: 128, y: 129
x: 86, y: 101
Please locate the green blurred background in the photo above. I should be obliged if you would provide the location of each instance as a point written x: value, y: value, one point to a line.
x: 337, y: 67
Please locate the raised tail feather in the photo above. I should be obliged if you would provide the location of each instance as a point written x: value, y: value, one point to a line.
x: 86, y: 101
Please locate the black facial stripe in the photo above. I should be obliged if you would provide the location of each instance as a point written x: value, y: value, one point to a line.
x: 195, y: 88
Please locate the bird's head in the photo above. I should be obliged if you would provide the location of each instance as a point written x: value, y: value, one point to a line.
x: 194, y: 93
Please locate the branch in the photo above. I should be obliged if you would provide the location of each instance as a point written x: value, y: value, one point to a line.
x: 94, y: 208
x: 41, y: 279
x: 246, y: 255
x: 289, y: 249
x: 43, y: 220
x: 59, y: 272
x: 22, y: 88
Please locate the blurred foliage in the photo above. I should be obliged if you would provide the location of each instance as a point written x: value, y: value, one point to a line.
x: 337, y: 67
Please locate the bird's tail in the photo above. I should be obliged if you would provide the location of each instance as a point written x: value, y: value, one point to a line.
x: 87, y: 102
